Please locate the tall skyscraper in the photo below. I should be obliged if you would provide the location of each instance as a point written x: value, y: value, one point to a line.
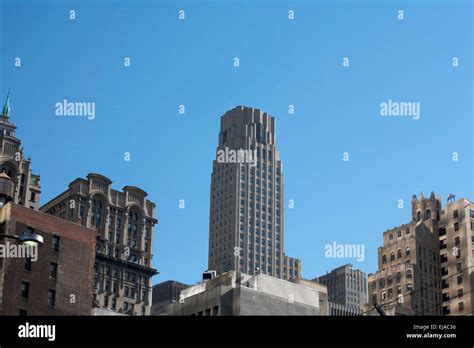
x: 124, y: 222
x: 456, y: 243
x: 27, y: 187
x: 246, y: 212
x: 427, y: 265
x: 347, y: 290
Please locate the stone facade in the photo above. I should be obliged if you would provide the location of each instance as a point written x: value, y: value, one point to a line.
x: 124, y: 222
x: 27, y: 187
x: 246, y: 208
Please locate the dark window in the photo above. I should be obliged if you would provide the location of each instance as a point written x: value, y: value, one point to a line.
x: 23, y: 313
x: 27, y: 264
x: 428, y: 214
x: 457, y: 241
x: 456, y: 226
x: 25, y: 289
x: 461, y: 306
x: 51, y: 297
x: 460, y: 292
x: 53, y: 270
x: 56, y: 243
x: 459, y: 280
x: 455, y: 214
x: 32, y: 197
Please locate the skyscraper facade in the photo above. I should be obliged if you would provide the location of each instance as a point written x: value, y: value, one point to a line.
x: 246, y: 206
x: 13, y: 163
x: 347, y: 290
x: 124, y: 222
x: 427, y: 265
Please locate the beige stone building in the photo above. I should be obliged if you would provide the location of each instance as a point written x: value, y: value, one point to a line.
x: 426, y: 266
x: 456, y: 241
x: 247, y: 203
x: 124, y: 222
x: 27, y: 187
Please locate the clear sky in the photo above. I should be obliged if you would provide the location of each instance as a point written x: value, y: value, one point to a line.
x: 282, y: 62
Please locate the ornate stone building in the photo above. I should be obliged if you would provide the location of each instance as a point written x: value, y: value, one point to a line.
x: 27, y: 187
x: 124, y: 222
x: 427, y: 265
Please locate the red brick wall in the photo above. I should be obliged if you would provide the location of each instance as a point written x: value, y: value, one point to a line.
x: 75, y: 260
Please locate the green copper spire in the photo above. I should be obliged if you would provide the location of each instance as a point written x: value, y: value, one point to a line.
x: 6, y: 107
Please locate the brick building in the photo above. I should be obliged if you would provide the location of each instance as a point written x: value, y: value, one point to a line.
x: 59, y: 282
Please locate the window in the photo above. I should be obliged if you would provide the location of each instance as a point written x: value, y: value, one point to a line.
x: 456, y: 226
x: 391, y: 237
x: 459, y: 279
x: 409, y: 274
x: 455, y: 214
x: 399, y: 234
x: 457, y: 241
x: 32, y: 197
x: 428, y: 214
x: 407, y: 251
x: 56, y: 243
x: 461, y: 306
x: 23, y: 313
x: 384, y: 259
x: 27, y: 264
x: 25, y: 289
x: 399, y: 253
x: 114, y: 303
x: 458, y: 267
x: 53, y: 270
x: 460, y: 292
x: 51, y: 297
x: 392, y: 256
x: 418, y: 216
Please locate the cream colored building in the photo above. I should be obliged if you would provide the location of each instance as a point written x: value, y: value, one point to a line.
x: 247, y: 202
x: 426, y: 266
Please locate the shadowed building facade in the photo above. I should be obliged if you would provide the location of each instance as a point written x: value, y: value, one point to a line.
x: 246, y: 206
x: 59, y: 281
x: 27, y: 187
x: 427, y: 265
x: 124, y: 222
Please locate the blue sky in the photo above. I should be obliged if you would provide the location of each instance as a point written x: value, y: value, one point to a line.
x: 282, y: 62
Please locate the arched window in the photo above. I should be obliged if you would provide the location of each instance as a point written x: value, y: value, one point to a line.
x: 384, y: 259
x: 399, y: 253
x: 382, y: 283
x: 392, y: 256
x: 428, y: 214
x: 399, y: 277
x: 418, y: 216
x: 409, y: 274
x: 407, y: 251
x: 389, y: 280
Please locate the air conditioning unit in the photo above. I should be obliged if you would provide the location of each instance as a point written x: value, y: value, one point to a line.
x: 209, y: 274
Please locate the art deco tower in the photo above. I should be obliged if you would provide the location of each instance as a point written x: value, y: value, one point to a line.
x: 246, y: 212
x: 13, y: 163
